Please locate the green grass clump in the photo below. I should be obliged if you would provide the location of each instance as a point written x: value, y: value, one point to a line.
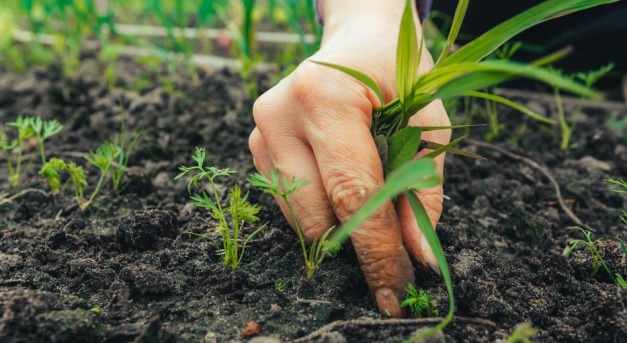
x: 232, y: 218
x: 320, y: 248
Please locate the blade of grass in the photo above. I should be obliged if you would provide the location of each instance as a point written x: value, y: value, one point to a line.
x: 416, y: 174
x: 424, y: 223
x: 494, y: 38
x: 407, y: 57
x: 511, y: 104
x: 460, y: 14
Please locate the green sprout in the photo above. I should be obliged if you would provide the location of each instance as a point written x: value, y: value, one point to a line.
x: 231, y: 219
x: 459, y: 73
x: 284, y: 188
x: 124, y: 149
x: 24, y: 132
x: 420, y: 303
x: 597, y: 259
x: 102, y: 158
x: 589, y: 79
x: 522, y: 334
x: 279, y: 286
x: 42, y: 130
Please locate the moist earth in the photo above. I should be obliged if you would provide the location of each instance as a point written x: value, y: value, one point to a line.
x: 130, y: 269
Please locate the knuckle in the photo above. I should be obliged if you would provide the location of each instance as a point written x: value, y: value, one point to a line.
x: 347, y: 193
x: 385, y: 265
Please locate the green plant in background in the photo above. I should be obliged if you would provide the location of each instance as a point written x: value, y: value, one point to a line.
x: 589, y: 79
x: 461, y: 73
x: 24, y: 132
x: 279, y: 286
x: 284, y: 188
x: 232, y: 218
x: 42, y: 130
x: 523, y: 333
x: 420, y: 303
x: 123, y: 147
x: 597, y: 259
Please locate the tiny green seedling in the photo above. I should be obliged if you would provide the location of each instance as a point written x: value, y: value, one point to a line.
x: 589, y: 79
x: 232, y: 218
x: 102, y: 158
x: 420, y: 303
x: 124, y: 149
x: 597, y: 259
x: 523, y: 333
x: 320, y: 248
x: 27, y: 128
x: 279, y: 286
x: 42, y: 130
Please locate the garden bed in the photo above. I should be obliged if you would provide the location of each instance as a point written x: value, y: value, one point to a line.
x: 127, y: 269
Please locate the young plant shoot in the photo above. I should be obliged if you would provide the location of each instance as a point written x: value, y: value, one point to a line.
x: 320, y: 248
x: 124, y: 148
x: 460, y: 73
x: 232, y: 218
x: 420, y: 303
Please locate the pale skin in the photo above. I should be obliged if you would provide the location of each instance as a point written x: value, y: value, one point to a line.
x: 315, y: 124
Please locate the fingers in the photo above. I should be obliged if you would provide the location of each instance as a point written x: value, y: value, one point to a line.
x: 286, y: 151
x: 351, y: 172
x: 413, y: 239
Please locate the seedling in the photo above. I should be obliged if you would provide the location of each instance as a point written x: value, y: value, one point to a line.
x: 320, y: 248
x: 279, y: 286
x: 523, y: 333
x: 589, y: 79
x: 460, y: 73
x: 597, y: 259
x: 44, y: 129
x: 102, y: 158
x: 420, y: 303
x: 24, y: 132
x: 231, y: 219
x: 124, y: 149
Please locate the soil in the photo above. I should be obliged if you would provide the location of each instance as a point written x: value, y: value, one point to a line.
x: 128, y: 270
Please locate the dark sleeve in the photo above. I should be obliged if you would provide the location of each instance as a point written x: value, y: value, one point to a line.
x: 424, y: 6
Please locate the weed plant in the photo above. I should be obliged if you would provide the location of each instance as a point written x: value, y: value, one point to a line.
x: 284, y: 188
x: 597, y: 259
x: 420, y: 303
x: 460, y: 73
x: 232, y: 218
x: 27, y: 128
x: 589, y: 79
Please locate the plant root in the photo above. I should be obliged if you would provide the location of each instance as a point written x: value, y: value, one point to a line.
x: 368, y: 323
x: 542, y: 169
x: 5, y: 198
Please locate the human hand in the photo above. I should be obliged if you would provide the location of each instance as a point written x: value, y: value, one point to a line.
x: 315, y: 124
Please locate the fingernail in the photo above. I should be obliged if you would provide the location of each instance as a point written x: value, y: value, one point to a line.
x: 428, y: 257
x: 388, y: 302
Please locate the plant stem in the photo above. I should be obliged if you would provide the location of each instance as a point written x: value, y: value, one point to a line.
x: 103, y: 173
x: 298, y: 232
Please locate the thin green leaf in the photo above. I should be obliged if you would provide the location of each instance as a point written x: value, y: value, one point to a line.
x: 363, y: 78
x: 416, y: 174
x: 434, y: 145
x: 494, y: 38
x: 407, y: 56
x: 511, y: 104
x: 458, y: 19
x: 444, y: 148
x: 402, y: 147
x: 424, y: 223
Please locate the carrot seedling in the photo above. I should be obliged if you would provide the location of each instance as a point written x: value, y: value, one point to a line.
x: 42, y: 130
x: 284, y: 188
x: 24, y: 132
x: 124, y: 148
x: 232, y: 218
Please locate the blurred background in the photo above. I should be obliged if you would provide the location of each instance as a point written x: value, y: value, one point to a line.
x: 273, y: 35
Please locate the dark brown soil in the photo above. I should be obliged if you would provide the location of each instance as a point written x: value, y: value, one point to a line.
x: 126, y: 270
